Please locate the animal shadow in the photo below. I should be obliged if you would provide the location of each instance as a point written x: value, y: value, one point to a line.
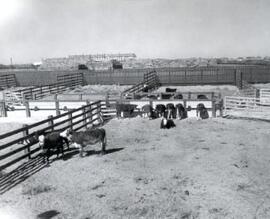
x: 73, y: 152
x: 47, y: 214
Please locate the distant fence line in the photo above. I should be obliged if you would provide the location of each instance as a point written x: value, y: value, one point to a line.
x: 64, y: 82
x: 8, y: 80
x: 168, y: 76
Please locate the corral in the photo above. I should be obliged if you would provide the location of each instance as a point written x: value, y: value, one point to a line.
x: 202, y: 166
x: 219, y: 170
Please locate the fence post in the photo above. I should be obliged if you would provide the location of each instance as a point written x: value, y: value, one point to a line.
x: 70, y: 120
x: 57, y: 107
x: 107, y: 99
x: 189, y: 95
x: 213, y: 109
x: 89, y: 114
x: 4, y: 110
x: 31, y: 93
x: 26, y: 133
x: 27, y: 108
x: 185, y: 103
x: 50, y: 122
x: 101, y: 120
x: 84, y: 116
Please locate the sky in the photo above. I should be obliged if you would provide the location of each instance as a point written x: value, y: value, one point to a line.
x: 31, y: 30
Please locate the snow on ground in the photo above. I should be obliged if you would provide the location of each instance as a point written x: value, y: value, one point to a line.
x: 215, y: 168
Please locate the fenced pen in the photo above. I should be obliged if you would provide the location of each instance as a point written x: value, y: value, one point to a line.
x: 12, y: 149
x: 18, y: 96
x: 249, y: 107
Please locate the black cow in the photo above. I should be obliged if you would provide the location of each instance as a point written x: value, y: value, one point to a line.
x: 202, y: 97
x: 152, y: 97
x: 171, y: 111
x: 147, y: 111
x: 167, y: 123
x: 170, y: 90
x: 122, y: 109
x: 166, y: 96
x: 181, y: 112
x: 83, y: 138
x: 160, y: 110
x: 201, y: 112
x: 178, y: 96
x: 52, y: 141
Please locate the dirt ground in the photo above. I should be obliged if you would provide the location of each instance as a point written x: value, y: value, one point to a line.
x: 215, y: 168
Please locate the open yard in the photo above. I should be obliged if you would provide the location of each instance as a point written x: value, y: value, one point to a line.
x: 215, y: 168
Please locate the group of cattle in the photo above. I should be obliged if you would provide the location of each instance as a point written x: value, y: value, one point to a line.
x: 170, y: 93
x: 170, y: 111
x: 57, y: 140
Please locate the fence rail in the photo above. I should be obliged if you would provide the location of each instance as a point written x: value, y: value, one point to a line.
x: 7, y: 80
x: 11, y: 148
x: 34, y: 93
x: 246, y: 107
x: 150, y: 82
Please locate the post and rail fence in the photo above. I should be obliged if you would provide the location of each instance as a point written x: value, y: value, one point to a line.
x: 13, y: 151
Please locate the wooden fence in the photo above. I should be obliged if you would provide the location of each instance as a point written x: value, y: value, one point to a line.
x: 264, y: 95
x: 248, y: 90
x: 11, y: 149
x: 246, y: 107
x: 150, y: 82
x: 7, y: 80
x: 168, y: 76
x: 34, y: 93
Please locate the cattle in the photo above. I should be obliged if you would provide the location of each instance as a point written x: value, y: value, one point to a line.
x: 147, y: 111
x: 51, y: 141
x: 166, y: 96
x: 166, y: 123
x: 202, y: 97
x: 145, y: 88
x: 171, y: 111
x: 178, y: 96
x: 181, y: 112
x: 160, y: 110
x: 81, y: 139
x: 122, y: 109
x: 152, y: 97
x: 170, y: 90
x: 201, y: 112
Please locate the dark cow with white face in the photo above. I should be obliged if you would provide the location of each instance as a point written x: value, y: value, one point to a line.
x: 81, y: 139
x: 201, y: 112
x: 167, y: 123
x: 147, y: 111
x: 171, y: 111
x: 49, y: 142
x: 122, y: 109
x: 181, y: 112
x: 160, y: 110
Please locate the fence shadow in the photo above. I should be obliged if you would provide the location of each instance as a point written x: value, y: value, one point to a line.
x: 21, y: 173
x: 88, y: 153
x: 246, y: 118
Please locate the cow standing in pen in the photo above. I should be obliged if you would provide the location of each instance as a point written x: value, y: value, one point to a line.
x: 81, y: 139
x: 201, y: 112
x: 181, y: 112
x: 52, y: 141
x: 171, y: 111
x: 160, y: 110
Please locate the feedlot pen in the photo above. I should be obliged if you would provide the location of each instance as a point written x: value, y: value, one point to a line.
x: 200, y: 169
